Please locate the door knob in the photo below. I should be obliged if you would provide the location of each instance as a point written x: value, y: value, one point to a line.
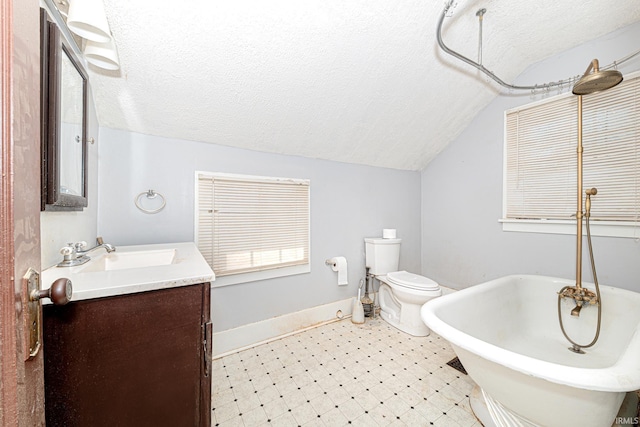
x: 59, y: 293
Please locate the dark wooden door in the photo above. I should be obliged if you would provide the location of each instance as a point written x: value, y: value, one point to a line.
x: 133, y: 360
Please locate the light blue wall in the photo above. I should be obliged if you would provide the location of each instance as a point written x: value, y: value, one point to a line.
x: 462, y: 242
x: 348, y: 203
x: 447, y: 215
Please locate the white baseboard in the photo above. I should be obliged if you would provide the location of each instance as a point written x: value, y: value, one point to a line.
x: 247, y: 336
x: 446, y: 290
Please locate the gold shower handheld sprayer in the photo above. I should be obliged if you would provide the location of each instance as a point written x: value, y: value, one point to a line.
x: 587, y: 204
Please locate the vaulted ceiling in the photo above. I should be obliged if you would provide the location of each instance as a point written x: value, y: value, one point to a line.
x: 358, y: 81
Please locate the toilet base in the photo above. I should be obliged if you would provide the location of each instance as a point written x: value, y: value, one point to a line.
x: 415, y: 330
x: 402, y: 315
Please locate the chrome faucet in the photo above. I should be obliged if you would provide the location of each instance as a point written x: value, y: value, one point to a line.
x: 74, y: 253
x: 80, y: 246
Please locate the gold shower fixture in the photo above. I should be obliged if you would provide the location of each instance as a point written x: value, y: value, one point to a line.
x: 596, y: 81
x: 593, y: 80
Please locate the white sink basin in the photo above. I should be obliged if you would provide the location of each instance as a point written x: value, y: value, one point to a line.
x: 126, y: 260
x: 133, y: 269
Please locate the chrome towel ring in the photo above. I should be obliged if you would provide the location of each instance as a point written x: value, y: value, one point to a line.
x: 150, y: 195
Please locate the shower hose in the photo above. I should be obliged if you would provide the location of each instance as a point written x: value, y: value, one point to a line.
x: 598, y: 301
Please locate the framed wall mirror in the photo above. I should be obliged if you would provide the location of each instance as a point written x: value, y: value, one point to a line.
x: 64, y: 120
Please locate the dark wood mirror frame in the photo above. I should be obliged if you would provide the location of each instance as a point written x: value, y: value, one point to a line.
x: 53, y: 47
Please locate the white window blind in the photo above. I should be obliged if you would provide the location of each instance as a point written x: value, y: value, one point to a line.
x: 541, y: 158
x: 248, y: 224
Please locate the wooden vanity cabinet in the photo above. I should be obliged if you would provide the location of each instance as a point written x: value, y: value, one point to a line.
x: 133, y: 360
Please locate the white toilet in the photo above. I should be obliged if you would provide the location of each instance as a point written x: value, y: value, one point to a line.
x: 401, y: 294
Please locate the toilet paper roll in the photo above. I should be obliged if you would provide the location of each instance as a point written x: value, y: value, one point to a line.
x: 388, y: 233
x: 339, y: 264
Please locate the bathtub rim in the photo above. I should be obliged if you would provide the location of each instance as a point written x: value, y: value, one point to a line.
x: 626, y: 368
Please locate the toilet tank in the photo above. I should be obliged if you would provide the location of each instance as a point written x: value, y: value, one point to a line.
x: 382, y: 255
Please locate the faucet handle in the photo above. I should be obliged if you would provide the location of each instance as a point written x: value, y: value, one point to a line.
x: 80, y: 245
x: 68, y: 252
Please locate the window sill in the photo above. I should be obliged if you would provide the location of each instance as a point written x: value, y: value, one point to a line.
x: 598, y: 228
x: 260, y: 275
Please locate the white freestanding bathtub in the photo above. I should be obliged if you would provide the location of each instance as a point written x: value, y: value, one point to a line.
x: 506, y: 334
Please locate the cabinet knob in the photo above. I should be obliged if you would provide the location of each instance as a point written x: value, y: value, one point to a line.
x: 59, y: 293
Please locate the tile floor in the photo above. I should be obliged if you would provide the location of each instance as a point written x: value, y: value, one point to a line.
x: 343, y: 374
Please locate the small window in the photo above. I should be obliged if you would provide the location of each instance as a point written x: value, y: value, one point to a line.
x: 540, y: 176
x: 252, y: 228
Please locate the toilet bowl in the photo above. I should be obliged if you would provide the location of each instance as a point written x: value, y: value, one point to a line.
x: 401, y: 296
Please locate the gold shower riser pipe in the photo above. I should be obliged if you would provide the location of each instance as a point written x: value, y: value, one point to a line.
x: 580, y: 150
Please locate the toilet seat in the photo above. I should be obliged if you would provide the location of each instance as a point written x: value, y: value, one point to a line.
x: 412, y: 281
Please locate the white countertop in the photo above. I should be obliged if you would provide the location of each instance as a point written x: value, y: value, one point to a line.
x: 188, y: 268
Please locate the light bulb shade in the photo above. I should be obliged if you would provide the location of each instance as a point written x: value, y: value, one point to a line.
x: 103, y: 55
x: 88, y: 19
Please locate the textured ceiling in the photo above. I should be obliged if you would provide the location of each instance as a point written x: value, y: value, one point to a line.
x: 359, y: 81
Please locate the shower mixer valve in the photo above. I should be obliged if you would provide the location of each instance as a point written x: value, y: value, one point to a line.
x: 581, y: 296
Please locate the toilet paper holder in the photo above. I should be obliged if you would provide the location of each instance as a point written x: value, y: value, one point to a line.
x: 339, y: 264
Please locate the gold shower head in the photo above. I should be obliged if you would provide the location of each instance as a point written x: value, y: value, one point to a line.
x: 597, y: 80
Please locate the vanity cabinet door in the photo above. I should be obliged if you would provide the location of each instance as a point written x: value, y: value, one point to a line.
x: 132, y: 360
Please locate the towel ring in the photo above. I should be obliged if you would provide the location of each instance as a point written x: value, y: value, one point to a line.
x: 150, y: 195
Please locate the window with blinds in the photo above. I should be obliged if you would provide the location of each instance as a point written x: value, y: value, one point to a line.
x: 541, y: 159
x: 247, y: 224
